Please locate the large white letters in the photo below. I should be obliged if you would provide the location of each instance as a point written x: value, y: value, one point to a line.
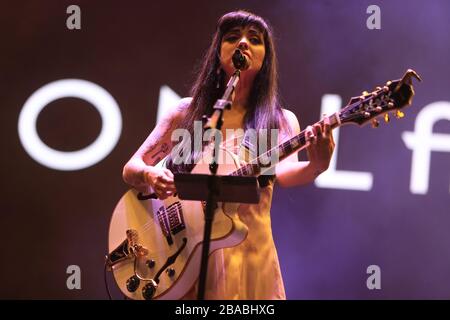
x: 75, y: 160
x: 422, y: 141
x: 339, y: 179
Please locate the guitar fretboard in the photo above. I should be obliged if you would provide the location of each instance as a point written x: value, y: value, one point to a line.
x: 270, y: 158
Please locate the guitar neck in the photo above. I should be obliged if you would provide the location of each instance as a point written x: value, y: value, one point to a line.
x: 270, y: 158
x: 361, y: 109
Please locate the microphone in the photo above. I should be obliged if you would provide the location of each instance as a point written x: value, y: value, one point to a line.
x: 239, y: 60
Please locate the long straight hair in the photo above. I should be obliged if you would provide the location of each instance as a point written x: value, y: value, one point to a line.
x: 263, y: 107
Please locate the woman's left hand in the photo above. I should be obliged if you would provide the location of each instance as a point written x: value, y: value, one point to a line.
x: 321, y: 145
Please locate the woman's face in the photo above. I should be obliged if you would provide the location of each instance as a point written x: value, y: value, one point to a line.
x: 250, y: 41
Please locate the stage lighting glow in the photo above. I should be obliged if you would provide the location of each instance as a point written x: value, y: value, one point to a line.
x: 73, y: 160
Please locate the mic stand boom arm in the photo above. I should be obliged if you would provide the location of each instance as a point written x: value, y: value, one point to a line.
x: 215, y: 122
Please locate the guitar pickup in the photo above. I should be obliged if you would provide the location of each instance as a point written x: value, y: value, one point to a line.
x: 176, y: 221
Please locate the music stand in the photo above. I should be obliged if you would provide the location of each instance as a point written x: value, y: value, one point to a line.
x: 229, y: 188
x: 214, y: 188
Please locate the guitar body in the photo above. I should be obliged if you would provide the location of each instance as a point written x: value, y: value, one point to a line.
x: 160, y: 231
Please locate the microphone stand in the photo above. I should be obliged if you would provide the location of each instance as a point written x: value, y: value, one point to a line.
x: 214, y: 122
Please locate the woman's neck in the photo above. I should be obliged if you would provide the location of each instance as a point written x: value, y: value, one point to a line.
x: 241, y: 94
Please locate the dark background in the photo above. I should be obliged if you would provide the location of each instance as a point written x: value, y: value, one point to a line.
x: 326, y: 238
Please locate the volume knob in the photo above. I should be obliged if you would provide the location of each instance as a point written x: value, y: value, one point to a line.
x: 170, y: 272
x: 150, y: 263
x: 133, y: 283
x: 148, y: 291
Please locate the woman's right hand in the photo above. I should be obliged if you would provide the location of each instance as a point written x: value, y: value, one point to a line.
x: 161, y: 181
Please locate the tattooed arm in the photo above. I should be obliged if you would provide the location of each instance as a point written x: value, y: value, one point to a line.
x: 139, y: 172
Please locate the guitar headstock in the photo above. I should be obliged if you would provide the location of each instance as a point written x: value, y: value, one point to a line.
x: 394, y: 96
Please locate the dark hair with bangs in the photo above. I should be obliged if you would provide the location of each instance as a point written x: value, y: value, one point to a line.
x: 263, y: 108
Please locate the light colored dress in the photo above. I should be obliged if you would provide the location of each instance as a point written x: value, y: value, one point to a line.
x: 250, y: 270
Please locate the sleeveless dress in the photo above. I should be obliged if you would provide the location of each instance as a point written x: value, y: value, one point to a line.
x: 250, y: 270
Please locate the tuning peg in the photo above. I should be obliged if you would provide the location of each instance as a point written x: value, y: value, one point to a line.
x: 378, y: 109
x: 390, y: 104
x: 375, y: 123
x: 388, y: 83
x: 399, y: 114
x: 365, y: 93
x: 386, y: 89
x: 366, y: 114
x: 386, y: 118
x: 377, y: 88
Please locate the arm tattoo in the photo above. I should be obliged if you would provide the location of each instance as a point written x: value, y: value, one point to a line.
x: 153, y: 142
x: 150, y: 150
x: 164, y: 127
x: 164, y: 148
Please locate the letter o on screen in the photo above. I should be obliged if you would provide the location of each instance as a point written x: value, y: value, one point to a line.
x: 74, y: 160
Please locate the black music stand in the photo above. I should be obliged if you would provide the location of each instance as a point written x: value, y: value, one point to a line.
x: 229, y: 188
x: 214, y: 188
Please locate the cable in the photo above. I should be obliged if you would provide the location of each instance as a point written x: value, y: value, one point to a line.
x: 106, y: 282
